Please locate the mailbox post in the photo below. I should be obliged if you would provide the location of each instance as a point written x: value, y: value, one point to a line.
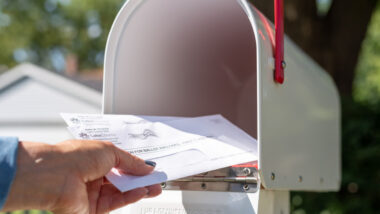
x: 200, y: 57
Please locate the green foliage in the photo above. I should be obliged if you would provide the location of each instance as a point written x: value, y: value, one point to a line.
x: 367, y: 82
x: 360, y: 190
x: 45, y: 31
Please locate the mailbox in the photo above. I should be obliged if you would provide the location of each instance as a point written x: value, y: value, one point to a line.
x: 198, y: 57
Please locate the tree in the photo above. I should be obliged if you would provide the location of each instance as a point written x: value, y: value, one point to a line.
x: 367, y: 80
x: 45, y: 31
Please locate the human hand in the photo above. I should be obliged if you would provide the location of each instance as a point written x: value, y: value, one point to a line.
x: 68, y: 178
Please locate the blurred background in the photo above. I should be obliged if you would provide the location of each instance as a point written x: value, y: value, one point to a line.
x: 343, y: 36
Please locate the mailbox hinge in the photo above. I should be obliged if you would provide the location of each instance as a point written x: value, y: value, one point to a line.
x: 240, y: 180
x: 230, y: 179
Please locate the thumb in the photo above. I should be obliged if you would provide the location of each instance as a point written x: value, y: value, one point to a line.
x: 131, y: 164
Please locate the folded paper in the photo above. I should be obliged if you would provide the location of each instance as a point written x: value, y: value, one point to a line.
x: 181, y: 147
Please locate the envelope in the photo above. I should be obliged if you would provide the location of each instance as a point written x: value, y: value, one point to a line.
x: 181, y: 147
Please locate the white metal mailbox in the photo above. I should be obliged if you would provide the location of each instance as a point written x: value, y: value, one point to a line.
x: 199, y: 57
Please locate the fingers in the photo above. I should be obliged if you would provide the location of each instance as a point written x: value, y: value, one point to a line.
x: 128, y: 197
x: 96, y: 158
x: 131, y: 164
x: 93, y: 192
x: 154, y: 190
x: 112, y: 199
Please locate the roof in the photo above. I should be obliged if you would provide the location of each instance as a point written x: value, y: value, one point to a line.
x: 30, y: 94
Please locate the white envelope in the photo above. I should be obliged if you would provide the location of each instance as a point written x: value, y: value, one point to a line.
x: 181, y: 147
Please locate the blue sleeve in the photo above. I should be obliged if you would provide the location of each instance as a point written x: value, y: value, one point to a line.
x: 8, y: 161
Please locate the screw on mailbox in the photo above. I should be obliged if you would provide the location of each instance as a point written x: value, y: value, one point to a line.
x: 273, y: 176
x: 283, y: 64
x: 321, y: 180
x: 203, y: 185
x: 245, y: 187
x: 163, y: 185
x: 246, y: 171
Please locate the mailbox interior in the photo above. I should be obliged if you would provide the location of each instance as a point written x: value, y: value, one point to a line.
x: 184, y: 58
x: 200, y: 57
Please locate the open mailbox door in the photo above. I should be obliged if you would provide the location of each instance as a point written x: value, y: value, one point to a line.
x: 197, y: 57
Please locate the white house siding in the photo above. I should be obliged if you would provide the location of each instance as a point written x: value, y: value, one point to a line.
x: 37, y: 133
x: 31, y: 99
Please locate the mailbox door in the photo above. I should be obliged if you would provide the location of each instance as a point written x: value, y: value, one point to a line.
x: 298, y: 121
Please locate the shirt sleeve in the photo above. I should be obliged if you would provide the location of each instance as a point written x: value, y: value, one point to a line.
x: 8, y: 162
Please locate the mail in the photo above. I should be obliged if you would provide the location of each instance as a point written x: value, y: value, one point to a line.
x: 181, y: 147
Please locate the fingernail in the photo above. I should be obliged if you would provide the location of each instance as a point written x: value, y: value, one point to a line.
x: 150, y: 163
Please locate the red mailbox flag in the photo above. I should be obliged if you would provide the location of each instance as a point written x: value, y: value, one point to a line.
x: 279, y: 45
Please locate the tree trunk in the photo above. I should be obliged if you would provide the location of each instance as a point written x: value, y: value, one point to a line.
x: 334, y: 40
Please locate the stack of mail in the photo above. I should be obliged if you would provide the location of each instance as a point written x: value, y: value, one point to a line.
x: 181, y: 147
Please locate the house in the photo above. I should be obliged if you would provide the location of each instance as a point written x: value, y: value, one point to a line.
x: 32, y: 98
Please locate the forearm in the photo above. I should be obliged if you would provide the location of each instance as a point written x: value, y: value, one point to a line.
x: 8, y: 161
x: 37, y: 182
